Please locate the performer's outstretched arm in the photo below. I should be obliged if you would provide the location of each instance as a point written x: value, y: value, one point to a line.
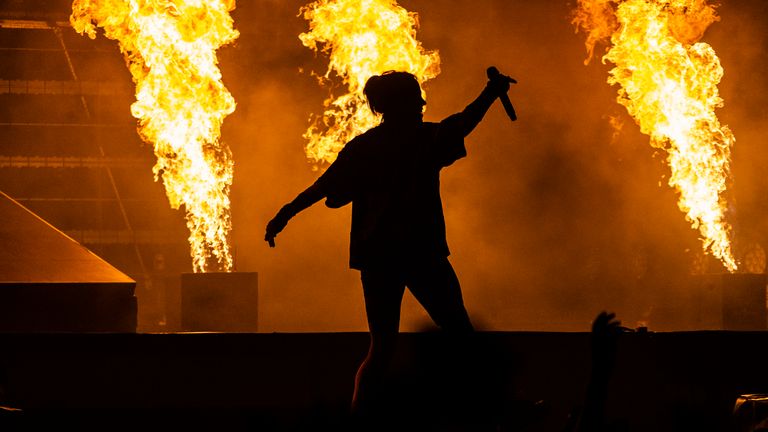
x: 335, y: 184
x: 302, y: 201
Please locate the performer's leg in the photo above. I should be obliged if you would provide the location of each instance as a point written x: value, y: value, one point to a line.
x: 452, y: 360
x: 383, y: 292
x: 435, y: 285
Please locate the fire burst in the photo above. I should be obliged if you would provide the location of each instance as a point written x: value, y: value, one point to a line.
x: 668, y: 83
x: 362, y: 38
x: 170, y: 49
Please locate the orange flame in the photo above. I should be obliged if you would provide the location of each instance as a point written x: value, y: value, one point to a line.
x: 170, y: 48
x: 362, y: 38
x: 668, y: 83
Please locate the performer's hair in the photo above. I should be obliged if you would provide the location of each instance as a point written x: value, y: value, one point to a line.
x: 387, y: 91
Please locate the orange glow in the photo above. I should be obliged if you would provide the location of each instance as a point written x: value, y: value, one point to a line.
x: 668, y: 83
x: 170, y: 48
x: 362, y: 38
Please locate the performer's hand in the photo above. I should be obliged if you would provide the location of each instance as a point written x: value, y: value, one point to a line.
x: 606, y: 325
x: 269, y: 237
x: 499, y: 83
x: 275, y: 226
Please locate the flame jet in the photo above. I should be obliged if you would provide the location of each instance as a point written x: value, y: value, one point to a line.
x: 668, y: 83
x: 181, y: 102
x: 362, y: 38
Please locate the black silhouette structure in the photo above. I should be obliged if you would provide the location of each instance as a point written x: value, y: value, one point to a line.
x: 391, y: 175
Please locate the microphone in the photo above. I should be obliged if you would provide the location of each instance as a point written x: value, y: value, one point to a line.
x: 493, y: 74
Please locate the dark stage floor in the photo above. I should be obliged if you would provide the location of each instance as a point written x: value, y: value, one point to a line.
x: 218, y: 381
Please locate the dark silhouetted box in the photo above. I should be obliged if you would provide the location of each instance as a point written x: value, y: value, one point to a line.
x: 220, y: 302
x: 744, y: 302
x: 722, y: 301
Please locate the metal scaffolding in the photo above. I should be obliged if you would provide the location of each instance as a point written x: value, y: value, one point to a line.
x: 77, y: 88
x: 69, y: 162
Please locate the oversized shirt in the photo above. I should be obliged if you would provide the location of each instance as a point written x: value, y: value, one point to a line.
x: 391, y: 175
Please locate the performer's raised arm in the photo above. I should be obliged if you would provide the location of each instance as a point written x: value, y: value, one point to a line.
x: 466, y: 121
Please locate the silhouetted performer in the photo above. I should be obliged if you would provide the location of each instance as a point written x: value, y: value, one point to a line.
x: 391, y: 175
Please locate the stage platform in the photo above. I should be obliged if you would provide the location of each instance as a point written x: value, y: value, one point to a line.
x: 500, y: 381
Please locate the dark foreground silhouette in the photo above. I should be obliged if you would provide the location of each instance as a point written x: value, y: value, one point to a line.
x: 590, y: 417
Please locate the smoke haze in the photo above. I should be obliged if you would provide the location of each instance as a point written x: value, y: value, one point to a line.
x: 550, y: 219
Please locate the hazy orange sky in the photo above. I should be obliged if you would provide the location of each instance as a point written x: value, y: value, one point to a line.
x: 549, y: 219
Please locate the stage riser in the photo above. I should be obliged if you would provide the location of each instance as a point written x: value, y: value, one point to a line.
x: 221, y: 302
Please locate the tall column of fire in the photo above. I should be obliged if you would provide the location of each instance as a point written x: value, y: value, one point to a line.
x: 181, y: 102
x: 362, y: 38
x: 668, y: 83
